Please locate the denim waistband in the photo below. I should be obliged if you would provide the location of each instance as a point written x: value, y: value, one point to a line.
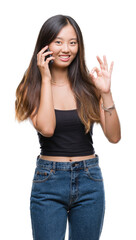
x: 82, y: 164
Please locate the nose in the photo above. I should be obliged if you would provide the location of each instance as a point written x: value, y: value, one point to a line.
x: 65, y: 48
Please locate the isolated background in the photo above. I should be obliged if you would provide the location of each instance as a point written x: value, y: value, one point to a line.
x: 108, y: 28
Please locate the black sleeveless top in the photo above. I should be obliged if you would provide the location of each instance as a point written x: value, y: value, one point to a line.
x: 69, y: 138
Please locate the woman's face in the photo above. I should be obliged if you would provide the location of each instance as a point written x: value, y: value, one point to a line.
x: 64, y: 47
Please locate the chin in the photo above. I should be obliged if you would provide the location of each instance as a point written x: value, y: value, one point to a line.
x: 61, y: 65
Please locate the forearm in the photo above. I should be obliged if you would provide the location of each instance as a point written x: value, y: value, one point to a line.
x: 46, y: 119
x: 112, y: 124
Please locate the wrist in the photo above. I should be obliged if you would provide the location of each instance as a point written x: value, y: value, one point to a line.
x: 107, y: 99
x: 103, y: 94
x: 46, y: 80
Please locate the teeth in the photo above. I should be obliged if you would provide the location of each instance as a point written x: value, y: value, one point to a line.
x: 64, y: 56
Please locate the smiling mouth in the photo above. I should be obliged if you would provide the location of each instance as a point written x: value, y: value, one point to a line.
x: 64, y: 57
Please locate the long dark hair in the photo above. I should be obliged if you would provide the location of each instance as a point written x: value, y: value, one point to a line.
x: 86, y: 95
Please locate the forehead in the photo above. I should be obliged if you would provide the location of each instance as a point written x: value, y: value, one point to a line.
x: 67, y: 32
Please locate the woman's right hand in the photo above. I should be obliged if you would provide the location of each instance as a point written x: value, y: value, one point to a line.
x: 43, y: 64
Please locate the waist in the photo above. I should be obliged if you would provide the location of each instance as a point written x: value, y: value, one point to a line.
x: 67, y: 165
x: 66, y: 159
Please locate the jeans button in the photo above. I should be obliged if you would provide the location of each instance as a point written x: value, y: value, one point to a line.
x: 75, y: 164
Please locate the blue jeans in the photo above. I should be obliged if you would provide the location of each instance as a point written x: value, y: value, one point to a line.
x: 67, y: 190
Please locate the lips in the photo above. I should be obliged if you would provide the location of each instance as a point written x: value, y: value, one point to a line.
x: 64, y: 57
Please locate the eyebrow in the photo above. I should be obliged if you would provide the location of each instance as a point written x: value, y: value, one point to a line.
x: 69, y: 39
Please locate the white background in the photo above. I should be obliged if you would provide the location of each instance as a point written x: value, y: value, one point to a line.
x: 108, y: 28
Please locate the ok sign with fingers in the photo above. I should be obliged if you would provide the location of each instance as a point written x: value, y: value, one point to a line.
x: 103, y: 80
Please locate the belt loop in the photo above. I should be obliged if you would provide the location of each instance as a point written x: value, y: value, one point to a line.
x: 84, y: 164
x: 85, y: 167
x: 54, y: 164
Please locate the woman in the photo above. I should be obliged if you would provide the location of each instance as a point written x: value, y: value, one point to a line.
x: 63, y: 100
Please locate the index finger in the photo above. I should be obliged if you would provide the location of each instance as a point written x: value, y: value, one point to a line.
x: 43, y: 50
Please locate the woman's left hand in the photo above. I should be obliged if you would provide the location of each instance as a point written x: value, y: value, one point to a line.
x: 103, y: 80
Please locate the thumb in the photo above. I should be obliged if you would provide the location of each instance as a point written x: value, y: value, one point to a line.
x: 92, y: 77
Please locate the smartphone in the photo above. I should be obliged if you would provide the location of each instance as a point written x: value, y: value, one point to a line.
x: 51, y: 61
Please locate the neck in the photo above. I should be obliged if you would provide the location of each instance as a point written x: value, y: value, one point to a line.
x: 59, y: 76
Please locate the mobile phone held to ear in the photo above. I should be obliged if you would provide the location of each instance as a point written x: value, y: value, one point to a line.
x: 51, y: 61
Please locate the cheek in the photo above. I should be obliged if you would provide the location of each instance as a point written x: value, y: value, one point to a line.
x: 55, y: 52
x: 53, y: 48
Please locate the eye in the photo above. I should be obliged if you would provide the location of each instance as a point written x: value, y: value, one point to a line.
x: 73, y: 43
x: 58, y: 42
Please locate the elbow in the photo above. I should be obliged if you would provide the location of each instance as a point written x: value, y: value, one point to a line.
x: 115, y: 139
x: 47, y: 133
